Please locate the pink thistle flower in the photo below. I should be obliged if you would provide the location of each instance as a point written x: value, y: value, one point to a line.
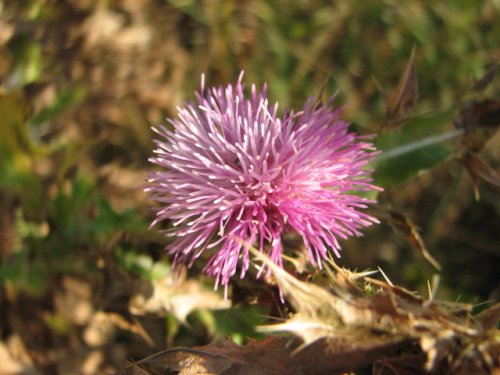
x: 236, y: 175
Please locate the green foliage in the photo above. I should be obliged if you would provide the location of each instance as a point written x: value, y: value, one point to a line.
x: 238, y: 322
x: 399, y: 168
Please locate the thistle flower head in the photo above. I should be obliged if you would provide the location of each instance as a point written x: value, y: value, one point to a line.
x: 234, y: 174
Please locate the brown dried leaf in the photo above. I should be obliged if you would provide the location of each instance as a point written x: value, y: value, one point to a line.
x: 403, y: 98
x: 480, y: 170
x: 269, y: 356
x: 486, y: 79
x: 480, y: 121
x: 273, y: 356
x: 342, y: 354
x: 409, y: 230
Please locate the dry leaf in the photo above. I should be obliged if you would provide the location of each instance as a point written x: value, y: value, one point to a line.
x: 403, y: 98
x: 480, y: 170
x: 270, y: 357
x: 479, y: 121
x: 103, y: 327
x: 273, y: 356
x: 178, y: 297
x: 410, y: 231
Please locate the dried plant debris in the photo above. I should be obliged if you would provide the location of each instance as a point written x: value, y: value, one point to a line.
x: 269, y: 356
x: 401, y: 100
x: 479, y: 121
x: 479, y: 170
x: 178, y: 297
x: 404, y: 225
x: 8, y: 233
x: 385, y: 327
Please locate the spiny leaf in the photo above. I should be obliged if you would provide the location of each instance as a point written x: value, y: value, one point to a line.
x: 324, y: 313
x: 395, y: 312
x: 343, y: 332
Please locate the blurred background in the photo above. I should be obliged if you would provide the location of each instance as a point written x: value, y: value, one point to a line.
x: 84, y: 285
